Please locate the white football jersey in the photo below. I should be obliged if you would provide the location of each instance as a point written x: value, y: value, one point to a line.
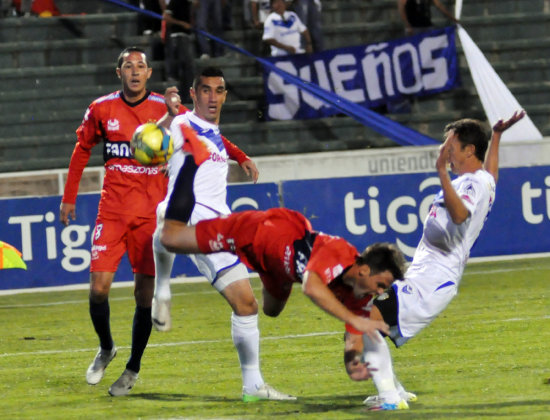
x: 287, y: 30
x: 446, y: 243
x: 432, y: 279
x: 210, y: 185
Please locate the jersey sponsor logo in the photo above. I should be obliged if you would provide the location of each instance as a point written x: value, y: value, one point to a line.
x: 113, y: 125
x: 302, y: 252
x: 134, y: 169
x: 286, y: 259
x: 96, y: 249
x: 215, y: 157
x: 407, y: 289
x: 116, y: 149
x: 217, y: 245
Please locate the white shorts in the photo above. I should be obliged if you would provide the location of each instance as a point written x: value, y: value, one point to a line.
x: 421, y: 297
x: 222, y: 268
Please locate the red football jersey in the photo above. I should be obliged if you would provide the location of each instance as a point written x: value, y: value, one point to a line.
x: 128, y: 187
x: 280, y: 245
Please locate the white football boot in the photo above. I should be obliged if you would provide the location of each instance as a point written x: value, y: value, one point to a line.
x: 124, y: 384
x: 160, y: 314
x: 266, y: 392
x: 96, y: 370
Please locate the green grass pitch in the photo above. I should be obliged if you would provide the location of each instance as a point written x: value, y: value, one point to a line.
x: 485, y: 357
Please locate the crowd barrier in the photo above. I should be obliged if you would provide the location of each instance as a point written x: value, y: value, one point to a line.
x: 363, y: 210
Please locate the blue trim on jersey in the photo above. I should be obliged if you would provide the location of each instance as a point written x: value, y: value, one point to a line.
x: 449, y: 283
x: 156, y: 98
x: 225, y: 268
x: 210, y: 134
x: 109, y: 97
x: 285, y: 23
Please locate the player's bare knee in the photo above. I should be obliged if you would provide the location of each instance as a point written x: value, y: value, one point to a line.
x: 246, y: 307
x: 100, y: 285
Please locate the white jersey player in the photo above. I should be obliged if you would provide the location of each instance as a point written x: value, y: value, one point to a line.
x: 224, y: 271
x: 450, y: 230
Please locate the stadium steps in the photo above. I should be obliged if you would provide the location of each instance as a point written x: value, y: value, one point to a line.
x: 46, y: 53
x: 513, y: 35
x: 93, y: 26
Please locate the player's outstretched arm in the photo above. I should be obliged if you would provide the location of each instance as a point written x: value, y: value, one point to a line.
x: 491, y: 159
x: 314, y: 288
x: 356, y: 369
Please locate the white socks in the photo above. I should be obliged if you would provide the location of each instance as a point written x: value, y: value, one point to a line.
x: 246, y: 338
x: 377, y: 354
x: 164, y: 261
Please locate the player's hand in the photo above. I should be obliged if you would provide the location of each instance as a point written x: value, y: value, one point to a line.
x: 66, y: 212
x: 172, y: 100
x: 501, y: 125
x: 443, y: 158
x: 370, y: 326
x: 358, y: 370
x: 250, y: 169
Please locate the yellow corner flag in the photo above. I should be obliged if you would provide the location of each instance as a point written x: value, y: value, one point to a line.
x: 10, y: 257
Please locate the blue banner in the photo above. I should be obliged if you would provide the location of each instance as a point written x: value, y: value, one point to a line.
x: 57, y: 255
x: 369, y: 75
x: 362, y: 210
x: 392, y: 208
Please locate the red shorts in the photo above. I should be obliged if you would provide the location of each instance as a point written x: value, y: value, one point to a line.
x: 263, y: 240
x: 115, y: 234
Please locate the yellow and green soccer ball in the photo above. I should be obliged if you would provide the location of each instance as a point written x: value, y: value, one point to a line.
x: 152, y: 144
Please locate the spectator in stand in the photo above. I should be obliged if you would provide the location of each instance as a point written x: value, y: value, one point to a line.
x: 147, y: 25
x: 209, y: 18
x: 309, y: 12
x: 179, y: 42
x: 259, y: 11
x: 283, y: 30
x: 416, y: 14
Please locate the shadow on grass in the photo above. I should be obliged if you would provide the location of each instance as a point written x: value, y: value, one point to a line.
x: 312, y: 404
x: 352, y: 404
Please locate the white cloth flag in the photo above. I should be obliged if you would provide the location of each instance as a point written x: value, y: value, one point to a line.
x: 497, y: 100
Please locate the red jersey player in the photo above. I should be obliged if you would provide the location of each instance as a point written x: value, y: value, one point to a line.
x: 282, y: 247
x: 126, y: 216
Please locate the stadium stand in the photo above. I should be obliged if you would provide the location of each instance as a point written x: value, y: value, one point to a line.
x: 51, y: 68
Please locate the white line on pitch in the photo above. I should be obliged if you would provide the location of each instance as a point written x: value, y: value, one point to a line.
x: 180, y: 343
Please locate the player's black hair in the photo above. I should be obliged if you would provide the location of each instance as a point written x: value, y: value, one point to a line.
x: 474, y: 132
x: 383, y: 256
x: 131, y: 50
x: 207, y: 72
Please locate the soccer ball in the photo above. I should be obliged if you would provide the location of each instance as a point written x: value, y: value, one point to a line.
x: 152, y: 144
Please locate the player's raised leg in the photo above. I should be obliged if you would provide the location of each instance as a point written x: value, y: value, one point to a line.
x: 164, y: 261
x: 176, y: 235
